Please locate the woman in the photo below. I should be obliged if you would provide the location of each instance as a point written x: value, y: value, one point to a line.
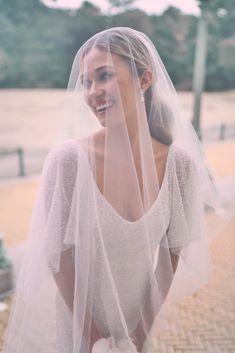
x: 118, y: 227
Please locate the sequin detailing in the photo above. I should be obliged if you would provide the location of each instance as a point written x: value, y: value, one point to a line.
x: 173, y: 222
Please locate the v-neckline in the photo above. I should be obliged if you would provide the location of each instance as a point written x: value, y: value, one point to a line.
x: 109, y: 205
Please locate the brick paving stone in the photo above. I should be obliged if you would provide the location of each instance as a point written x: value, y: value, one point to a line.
x: 207, y: 319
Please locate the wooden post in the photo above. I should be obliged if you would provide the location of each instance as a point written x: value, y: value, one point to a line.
x: 20, y: 152
x: 222, y: 131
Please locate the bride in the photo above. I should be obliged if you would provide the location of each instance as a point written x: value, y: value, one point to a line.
x: 118, y: 229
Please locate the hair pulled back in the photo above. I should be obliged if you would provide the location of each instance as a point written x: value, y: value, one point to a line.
x: 131, y: 46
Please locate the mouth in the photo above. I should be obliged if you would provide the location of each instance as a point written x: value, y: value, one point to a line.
x: 102, y: 108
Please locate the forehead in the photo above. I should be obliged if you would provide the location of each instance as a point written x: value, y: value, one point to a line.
x: 96, y: 58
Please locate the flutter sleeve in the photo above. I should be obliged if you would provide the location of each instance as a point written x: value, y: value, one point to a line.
x: 186, y: 222
x: 57, y: 191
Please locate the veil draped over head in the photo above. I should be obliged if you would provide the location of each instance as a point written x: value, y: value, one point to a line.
x: 119, y: 226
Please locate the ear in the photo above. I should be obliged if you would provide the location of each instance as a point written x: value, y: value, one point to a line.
x: 146, y: 79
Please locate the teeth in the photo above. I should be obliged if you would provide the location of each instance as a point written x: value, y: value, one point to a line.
x: 103, y: 106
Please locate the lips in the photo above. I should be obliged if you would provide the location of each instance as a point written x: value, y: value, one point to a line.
x: 103, y: 107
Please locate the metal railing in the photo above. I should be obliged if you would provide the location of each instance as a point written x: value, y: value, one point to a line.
x: 20, y: 153
x: 216, y: 133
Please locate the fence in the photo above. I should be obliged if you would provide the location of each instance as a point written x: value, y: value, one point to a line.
x: 19, y: 162
x: 219, y: 132
x: 215, y: 133
x: 20, y: 153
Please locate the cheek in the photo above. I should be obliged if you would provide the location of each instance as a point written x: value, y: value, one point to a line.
x: 128, y: 95
x: 86, y: 98
x: 87, y: 101
x: 113, y: 88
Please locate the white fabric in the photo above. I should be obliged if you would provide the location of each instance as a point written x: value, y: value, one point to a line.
x: 123, y: 239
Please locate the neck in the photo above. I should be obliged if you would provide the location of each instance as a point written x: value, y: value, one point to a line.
x: 128, y: 133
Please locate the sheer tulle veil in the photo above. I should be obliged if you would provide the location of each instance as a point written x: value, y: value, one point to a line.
x: 125, y: 204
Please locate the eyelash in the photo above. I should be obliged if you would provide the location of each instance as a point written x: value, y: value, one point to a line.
x: 85, y: 83
x: 104, y: 76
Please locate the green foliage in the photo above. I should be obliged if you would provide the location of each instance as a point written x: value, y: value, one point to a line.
x: 121, y: 3
x: 220, y: 16
x: 38, y: 44
x: 135, y: 19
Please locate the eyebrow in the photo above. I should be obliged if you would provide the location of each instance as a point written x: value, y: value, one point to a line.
x: 98, y: 69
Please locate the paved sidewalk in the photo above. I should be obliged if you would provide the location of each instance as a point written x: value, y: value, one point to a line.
x: 207, y: 318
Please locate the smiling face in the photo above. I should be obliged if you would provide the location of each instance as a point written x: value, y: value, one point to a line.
x: 109, y: 87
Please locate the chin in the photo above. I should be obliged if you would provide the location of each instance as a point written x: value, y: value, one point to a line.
x: 102, y: 123
x: 108, y: 120
x: 101, y: 119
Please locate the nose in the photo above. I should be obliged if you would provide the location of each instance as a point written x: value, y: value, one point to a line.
x: 94, y: 92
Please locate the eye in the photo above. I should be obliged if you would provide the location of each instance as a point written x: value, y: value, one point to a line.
x: 104, y: 76
x: 86, y: 83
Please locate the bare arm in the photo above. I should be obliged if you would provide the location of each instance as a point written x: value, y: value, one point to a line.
x: 65, y: 278
x: 65, y: 281
x: 174, y: 261
x: 139, y: 334
x: 61, y: 169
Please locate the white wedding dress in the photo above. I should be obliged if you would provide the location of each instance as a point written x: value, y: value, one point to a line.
x: 173, y: 221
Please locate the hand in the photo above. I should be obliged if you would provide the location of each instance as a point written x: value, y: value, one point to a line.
x: 105, y: 345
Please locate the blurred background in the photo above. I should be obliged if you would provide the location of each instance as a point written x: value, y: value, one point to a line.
x: 39, y: 39
x: 38, y: 42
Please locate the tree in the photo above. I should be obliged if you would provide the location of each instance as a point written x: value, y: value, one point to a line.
x: 38, y: 43
x: 220, y: 16
x: 121, y: 4
x: 89, y: 8
x: 173, y: 35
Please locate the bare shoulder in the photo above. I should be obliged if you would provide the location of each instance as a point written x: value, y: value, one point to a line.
x: 94, y: 141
